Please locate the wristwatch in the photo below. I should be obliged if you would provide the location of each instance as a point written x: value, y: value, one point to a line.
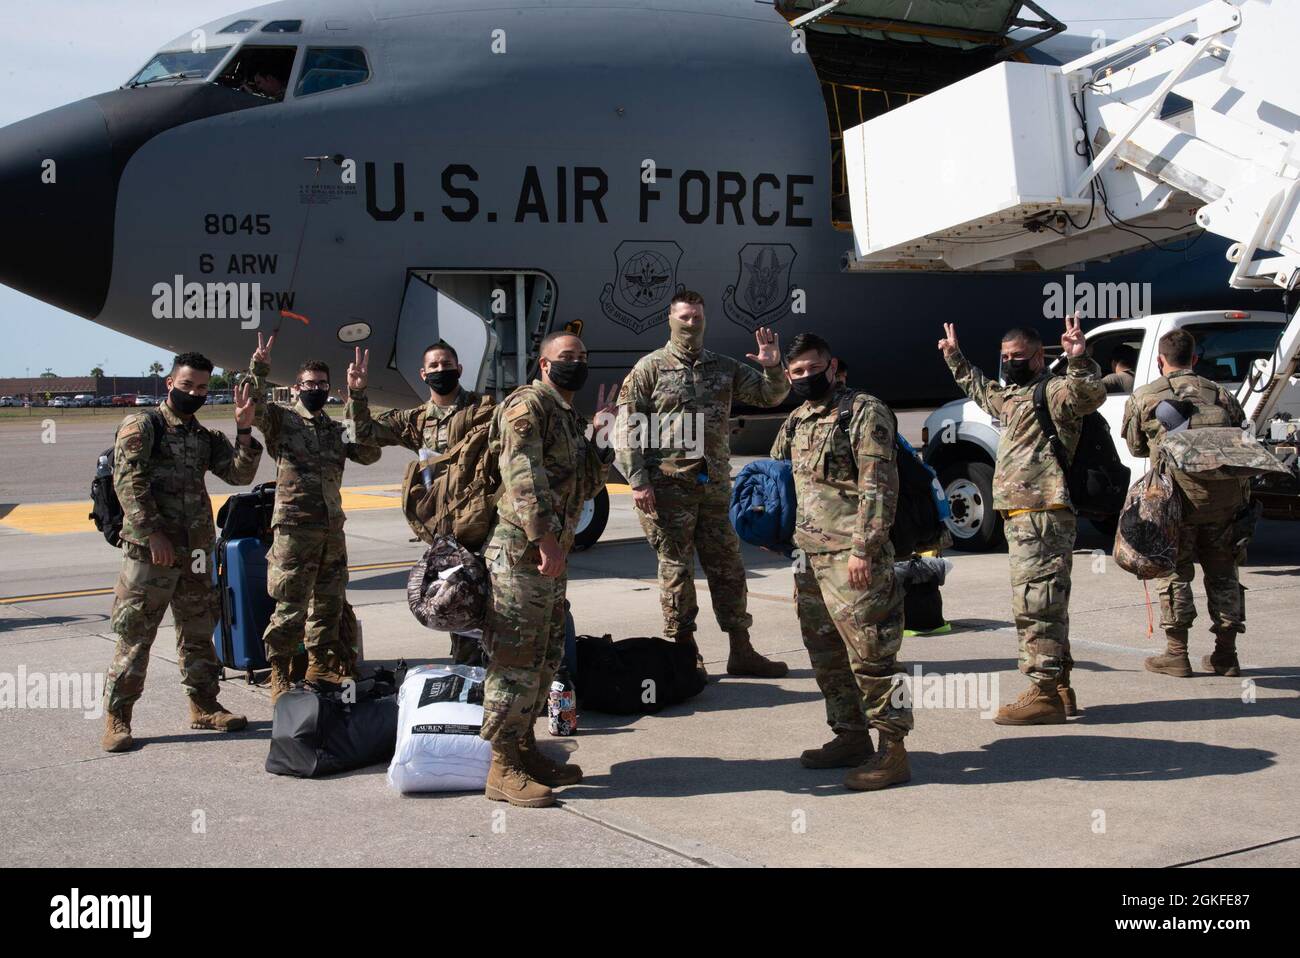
x: 243, y: 430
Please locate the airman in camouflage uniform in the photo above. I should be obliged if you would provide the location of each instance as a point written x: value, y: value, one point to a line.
x: 167, y: 533
x: 850, y: 603
x: 307, y: 567
x: 1216, y: 520
x: 1031, y: 492
x: 426, y: 427
x: 548, y: 470
x: 680, y: 472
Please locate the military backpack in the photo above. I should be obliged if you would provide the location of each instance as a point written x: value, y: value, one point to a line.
x: 1098, y: 481
x: 105, y: 508
x: 454, y: 493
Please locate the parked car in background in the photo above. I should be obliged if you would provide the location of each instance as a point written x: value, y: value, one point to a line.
x: 146, y: 401
x: 125, y: 399
x: 99, y: 402
x: 8, y: 401
x: 60, y: 402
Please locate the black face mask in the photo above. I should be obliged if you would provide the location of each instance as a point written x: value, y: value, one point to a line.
x: 1017, y: 372
x: 568, y: 376
x: 443, y: 381
x: 313, y: 399
x: 812, y: 387
x: 184, y: 403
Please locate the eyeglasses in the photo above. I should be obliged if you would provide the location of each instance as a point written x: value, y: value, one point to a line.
x: 314, y: 385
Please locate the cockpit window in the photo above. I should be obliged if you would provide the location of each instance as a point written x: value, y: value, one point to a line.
x: 179, y: 65
x: 262, y: 71
x: 283, y: 26
x: 328, y: 68
x: 239, y: 26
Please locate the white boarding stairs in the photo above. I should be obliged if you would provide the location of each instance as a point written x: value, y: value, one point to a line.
x: 1193, y: 124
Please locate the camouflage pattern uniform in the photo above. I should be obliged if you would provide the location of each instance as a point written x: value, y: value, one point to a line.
x: 166, y: 493
x: 1211, y: 506
x: 847, y: 489
x: 307, y: 567
x: 692, y: 490
x: 1031, y: 492
x: 548, y: 470
x: 420, y: 427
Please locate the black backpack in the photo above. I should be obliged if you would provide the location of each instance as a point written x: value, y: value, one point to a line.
x: 917, y: 524
x: 106, y: 510
x: 634, y: 676
x: 1097, y: 480
x: 247, y: 515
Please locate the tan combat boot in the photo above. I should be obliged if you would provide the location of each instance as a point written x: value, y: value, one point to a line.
x: 207, y: 713
x: 543, y: 769
x: 281, y: 679
x: 325, y: 665
x: 297, y: 668
x: 1037, y: 705
x: 847, y: 749
x: 117, y: 730
x: 1174, y: 662
x: 889, y: 766
x: 745, y: 661
x: 1068, y: 698
x: 1223, y: 660
x: 508, y: 781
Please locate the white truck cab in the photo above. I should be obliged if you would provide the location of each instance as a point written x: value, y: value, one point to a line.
x: 960, y: 439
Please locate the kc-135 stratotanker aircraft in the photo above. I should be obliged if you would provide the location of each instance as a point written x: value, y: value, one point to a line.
x: 385, y: 172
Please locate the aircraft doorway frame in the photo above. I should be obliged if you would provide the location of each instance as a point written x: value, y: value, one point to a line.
x: 498, y: 302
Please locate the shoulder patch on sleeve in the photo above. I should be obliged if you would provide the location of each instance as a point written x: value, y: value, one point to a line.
x: 520, y: 417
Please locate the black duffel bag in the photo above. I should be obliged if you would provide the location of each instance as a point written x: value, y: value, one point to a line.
x: 634, y: 676
x: 322, y: 729
x: 247, y: 515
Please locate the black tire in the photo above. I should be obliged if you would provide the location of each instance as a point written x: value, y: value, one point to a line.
x: 590, y: 531
x: 975, y: 525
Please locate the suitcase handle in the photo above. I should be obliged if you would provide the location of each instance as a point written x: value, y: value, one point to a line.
x: 233, y: 606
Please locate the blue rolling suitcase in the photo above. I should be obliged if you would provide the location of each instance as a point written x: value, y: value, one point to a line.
x: 240, y: 571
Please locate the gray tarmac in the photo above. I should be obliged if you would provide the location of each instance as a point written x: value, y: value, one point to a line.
x: 1156, y: 771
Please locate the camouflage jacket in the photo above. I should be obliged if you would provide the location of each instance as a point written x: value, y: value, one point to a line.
x: 166, y: 493
x: 1214, y: 406
x: 1027, y: 475
x: 846, y: 484
x: 686, y: 393
x: 309, y: 452
x: 420, y: 427
x: 548, y: 466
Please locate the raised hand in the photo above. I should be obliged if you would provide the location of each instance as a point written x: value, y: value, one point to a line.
x: 244, y: 407
x: 769, y: 348
x: 949, y: 342
x: 607, y: 404
x: 262, y: 354
x: 358, y: 370
x: 1073, y: 342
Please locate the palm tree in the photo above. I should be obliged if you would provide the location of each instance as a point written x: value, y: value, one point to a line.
x: 98, y: 372
x: 155, y: 370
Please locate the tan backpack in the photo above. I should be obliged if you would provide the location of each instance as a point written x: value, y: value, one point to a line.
x: 465, y: 482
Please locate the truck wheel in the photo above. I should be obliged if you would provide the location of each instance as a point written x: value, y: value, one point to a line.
x: 591, y: 521
x: 974, y: 524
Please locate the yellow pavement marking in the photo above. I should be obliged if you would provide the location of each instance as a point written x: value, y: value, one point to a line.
x: 58, y: 518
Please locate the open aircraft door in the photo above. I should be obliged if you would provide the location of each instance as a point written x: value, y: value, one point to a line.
x: 428, y: 315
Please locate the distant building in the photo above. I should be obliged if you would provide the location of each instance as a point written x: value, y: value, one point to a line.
x: 36, y: 387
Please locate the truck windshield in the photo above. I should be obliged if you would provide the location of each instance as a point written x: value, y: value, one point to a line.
x: 179, y: 65
x: 1224, y: 351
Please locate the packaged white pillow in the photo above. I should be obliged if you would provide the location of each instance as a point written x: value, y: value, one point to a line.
x: 440, y: 713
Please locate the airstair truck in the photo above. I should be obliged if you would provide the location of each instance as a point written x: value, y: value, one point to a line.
x: 1191, y: 125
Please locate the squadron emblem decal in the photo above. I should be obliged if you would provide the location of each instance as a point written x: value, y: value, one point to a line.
x: 645, y: 279
x: 761, y: 295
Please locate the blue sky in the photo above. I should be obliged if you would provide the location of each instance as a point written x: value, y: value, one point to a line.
x: 57, y: 51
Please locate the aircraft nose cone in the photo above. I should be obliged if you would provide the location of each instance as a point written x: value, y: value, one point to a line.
x: 57, y: 200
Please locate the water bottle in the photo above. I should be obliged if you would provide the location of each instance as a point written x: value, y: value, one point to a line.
x: 562, y: 705
x: 426, y: 471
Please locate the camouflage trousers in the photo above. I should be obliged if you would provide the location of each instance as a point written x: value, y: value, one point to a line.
x: 141, y: 596
x: 524, y: 635
x: 1040, y: 545
x: 1212, y: 544
x: 307, y: 575
x: 853, y: 638
x: 692, y: 519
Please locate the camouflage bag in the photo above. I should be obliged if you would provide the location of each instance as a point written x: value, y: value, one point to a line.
x: 1146, y: 543
x: 448, y: 587
x: 1218, y: 452
x: 464, y: 483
